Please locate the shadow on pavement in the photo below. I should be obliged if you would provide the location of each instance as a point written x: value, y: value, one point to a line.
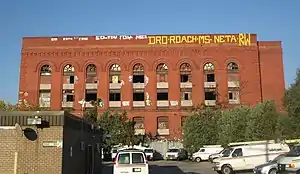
x: 154, y: 169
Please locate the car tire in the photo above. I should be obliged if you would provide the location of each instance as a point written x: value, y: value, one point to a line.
x: 272, y: 171
x: 226, y: 170
x: 198, y: 160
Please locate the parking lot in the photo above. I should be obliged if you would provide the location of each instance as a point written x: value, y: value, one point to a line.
x: 172, y: 167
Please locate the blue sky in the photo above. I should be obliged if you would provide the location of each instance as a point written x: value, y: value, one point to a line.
x: 271, y: 20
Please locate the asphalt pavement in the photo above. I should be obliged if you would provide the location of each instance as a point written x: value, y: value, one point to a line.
x: 172, y: 167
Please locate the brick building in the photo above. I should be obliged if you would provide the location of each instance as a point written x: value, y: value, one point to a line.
x: 64, y: 145
x: 156, y: 78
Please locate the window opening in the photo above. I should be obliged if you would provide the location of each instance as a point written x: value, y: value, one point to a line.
x: 162, y: 96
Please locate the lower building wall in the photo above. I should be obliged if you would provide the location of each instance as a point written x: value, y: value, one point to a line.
x: 19, y: 155
x: 81, y: 149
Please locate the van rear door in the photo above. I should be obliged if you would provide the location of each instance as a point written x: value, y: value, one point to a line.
x: 131, y: 163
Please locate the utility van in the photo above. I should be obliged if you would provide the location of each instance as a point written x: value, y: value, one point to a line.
x: 291, y: 162
x: 131, y: 161
x: 204, y: 153
x: 176, y: 154
x: 246, y: 157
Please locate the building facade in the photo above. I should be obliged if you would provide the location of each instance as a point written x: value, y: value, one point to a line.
x: 61, y: 144
x: 156, y: 78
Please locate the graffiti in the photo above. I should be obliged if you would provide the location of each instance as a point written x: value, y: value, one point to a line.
x: 70, y: 38
x: 122, y: 37
x: 146, y: 79
x: 130, y: 78
x: 148, y: 100
x: 240, y: 39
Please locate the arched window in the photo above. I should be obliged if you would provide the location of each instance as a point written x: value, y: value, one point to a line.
x: 233, y: 83
x: 185, y: 73
x: 138, y: 122
x: 209, y: 67
x: 91, y: 73
x: 115, y: 73
x: 162, y: 122
x: 46, y: 70
x: 232, y: 67
x: 68, y: 90
x: 210, y: 82
x: 162, y: 72
x: 45, y: 86
x: 69, y: 72
x: 138, y: 73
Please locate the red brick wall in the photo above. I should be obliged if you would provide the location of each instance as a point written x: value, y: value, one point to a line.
x: 39, y: 51
x: 272, y: 72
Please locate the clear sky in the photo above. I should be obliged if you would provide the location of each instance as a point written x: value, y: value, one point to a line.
x: 270, y: 19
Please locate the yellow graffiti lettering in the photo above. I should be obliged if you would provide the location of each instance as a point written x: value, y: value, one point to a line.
x: 184, y: 40
x: 178, y: 39
x: 233, y: 39
x: 172, y: 40
x: 244, y: 40
x: 151, y: 40
x: 240, y: 39
x: 164, y: 40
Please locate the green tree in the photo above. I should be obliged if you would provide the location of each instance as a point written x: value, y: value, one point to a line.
x: 262, y: 122
x: 201, y: 128
x: 291, y: 98
x: 232, y: 125
x: 7, y: 106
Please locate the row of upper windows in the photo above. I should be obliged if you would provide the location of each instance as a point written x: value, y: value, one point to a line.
x: 138, y: 68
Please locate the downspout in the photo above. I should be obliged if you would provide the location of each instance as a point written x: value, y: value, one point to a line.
x: 260, y: 78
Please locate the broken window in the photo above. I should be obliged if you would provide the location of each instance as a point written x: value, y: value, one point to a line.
x: 209, y: 73
x: 138, y: 73
x: 115, y: 74
x: 91, y: 74
x: 138, y: 95
x: 233, y: 95
x: 90, y: 95
x: 114, y: 95
x: 210, y: 94
x: 163, y: 122
x: 138, y: 122
x: 45, y: 74
x: 232, y: 67
x: 68, y: 74
x: 185, y: 73
x: 186, y: 94
x: 162, y: 94
x: 68, y: 95
x: 45, y: 97
x: 162, y: 72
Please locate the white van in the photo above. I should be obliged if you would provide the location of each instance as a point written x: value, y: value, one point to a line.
x: 246, y: 157
x: 131, y: 161
x: 291, y: 162
x: 204, y: 153
x: 176, y: 154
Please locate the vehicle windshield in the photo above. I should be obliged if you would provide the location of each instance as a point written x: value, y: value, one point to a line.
x: 222, y: 151
x: 278, y: 158
x: 227, y: 152
x: 294, y: 152
x: 173, y: 150
x: 148, y: 150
